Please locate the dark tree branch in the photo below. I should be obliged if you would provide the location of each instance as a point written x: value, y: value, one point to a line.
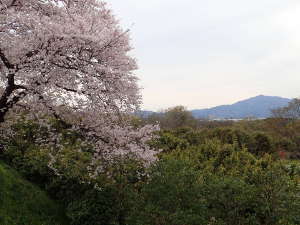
x: 10, y: 103
x: 5, y: 96
x: 5, y: 60
x: 16, y: 99
x: 12, y: 4
x: 5, y: 103
x: 20, y: 87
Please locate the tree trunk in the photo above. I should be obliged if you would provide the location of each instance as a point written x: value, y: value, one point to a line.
x: 4, y: 103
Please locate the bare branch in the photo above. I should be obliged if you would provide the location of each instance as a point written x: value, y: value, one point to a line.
x: 5, y: 60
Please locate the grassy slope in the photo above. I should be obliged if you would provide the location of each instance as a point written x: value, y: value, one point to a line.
x: 22, y: 203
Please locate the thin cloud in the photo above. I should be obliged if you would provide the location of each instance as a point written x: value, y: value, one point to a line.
x: 204, y: 53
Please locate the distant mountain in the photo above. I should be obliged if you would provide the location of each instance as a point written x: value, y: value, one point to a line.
x: 258, y: 107
x: 144, y: 113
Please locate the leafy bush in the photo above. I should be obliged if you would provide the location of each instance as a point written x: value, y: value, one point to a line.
x: 172, y: 195
x: 221, y: 176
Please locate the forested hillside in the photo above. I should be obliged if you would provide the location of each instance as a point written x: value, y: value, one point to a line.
x: 257, y: 107
x: 249, y: 170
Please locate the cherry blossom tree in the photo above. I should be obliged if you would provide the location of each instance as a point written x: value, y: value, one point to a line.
x: 62, y: 56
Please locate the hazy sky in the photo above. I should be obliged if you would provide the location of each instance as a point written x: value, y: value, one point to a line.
x: 202, y: 53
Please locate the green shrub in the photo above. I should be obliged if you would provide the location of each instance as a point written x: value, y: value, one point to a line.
x: 172, y: 195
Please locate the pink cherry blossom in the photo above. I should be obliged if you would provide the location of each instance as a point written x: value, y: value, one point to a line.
x: 62, y: 56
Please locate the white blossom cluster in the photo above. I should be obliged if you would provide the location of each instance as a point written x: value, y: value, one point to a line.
x: 62, y: 56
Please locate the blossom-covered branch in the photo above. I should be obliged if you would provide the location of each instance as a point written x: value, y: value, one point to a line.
x: 61, y: 56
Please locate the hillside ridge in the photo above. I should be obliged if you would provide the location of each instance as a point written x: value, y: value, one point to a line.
x: 22, y: 202
x: 259, y: 107
x: 256, y: 107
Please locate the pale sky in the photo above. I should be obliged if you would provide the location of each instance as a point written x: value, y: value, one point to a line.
x: 201, y: 54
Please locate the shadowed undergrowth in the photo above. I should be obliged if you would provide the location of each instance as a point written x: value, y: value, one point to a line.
x: 22, y: 203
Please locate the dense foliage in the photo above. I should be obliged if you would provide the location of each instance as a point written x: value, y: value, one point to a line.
x: 218, y: 174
